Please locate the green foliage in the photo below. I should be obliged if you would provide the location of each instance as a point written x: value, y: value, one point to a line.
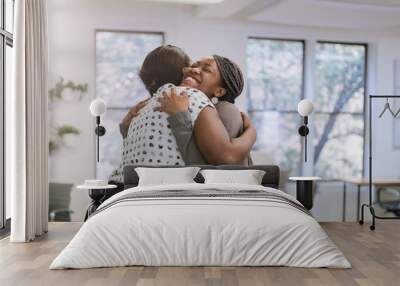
x: 52, y: 146
x: 58, y: 133
x: 67, y: 129
x: 61, y: 86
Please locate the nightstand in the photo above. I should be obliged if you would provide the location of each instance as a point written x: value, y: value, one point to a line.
x: 98, y: 194
x: 304, y: 190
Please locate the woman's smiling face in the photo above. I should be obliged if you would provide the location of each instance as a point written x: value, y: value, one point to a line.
x: 203, y: 75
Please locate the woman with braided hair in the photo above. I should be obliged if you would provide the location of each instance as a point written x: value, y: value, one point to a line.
x: 222, y: 81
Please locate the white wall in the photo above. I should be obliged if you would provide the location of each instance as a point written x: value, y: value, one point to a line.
x: 72, y: 25
x: 386, y: 160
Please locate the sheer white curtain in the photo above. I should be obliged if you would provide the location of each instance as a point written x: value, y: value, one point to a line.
x: 28, y: 123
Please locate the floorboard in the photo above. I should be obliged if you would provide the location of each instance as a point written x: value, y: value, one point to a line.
x: 375, y: 257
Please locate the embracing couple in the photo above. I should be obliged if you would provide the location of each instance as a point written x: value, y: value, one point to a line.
x: 190, y: 117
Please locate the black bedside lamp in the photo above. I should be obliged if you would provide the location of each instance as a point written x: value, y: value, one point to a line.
x: 304, y: 185
x: 98, y: 108
x: 305, y: 108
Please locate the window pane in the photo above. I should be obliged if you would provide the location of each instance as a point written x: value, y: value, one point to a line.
x: 275, y: 82
x: 110, y: 143
x: 274, y: 73
x: 119, y: 56
x: 339, y: 101
x: 9, y: 15
x: 340, y: 71
x: 338, y: 145
x: 278, y: 138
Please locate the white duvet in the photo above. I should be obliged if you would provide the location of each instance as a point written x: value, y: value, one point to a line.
x: 200, y: 231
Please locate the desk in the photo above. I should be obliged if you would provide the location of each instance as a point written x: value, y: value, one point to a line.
x: 378, y: 184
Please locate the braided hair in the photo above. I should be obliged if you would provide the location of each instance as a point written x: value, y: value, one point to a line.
x: 231, y: 77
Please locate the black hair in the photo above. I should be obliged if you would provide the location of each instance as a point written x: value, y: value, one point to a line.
x: 163, y: 65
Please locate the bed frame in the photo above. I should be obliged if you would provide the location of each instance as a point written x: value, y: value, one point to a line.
x: 270, y: 179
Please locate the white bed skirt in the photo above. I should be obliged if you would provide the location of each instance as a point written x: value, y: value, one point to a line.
x: 200, y: 232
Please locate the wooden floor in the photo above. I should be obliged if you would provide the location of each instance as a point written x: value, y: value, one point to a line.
x: 375, y: 257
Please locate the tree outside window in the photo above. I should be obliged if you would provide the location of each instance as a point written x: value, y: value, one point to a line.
x: 275, y: 86
x: 339, y: 105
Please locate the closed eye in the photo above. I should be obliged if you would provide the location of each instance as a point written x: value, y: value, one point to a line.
x: 206, y: 68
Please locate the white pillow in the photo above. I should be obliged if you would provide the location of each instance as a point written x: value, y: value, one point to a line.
x: 248, y: 177
x: 164, y: 176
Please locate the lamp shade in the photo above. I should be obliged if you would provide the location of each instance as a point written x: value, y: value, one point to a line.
x: 305, y: 107
x: 98, y: 107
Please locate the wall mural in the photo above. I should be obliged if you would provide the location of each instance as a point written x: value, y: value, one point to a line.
x: 119, y: 55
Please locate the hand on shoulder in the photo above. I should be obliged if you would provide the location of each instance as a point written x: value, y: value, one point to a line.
x: 171, y: 102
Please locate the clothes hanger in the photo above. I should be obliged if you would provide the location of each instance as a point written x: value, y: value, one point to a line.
x: 397, y: 113
x: 387, y: 107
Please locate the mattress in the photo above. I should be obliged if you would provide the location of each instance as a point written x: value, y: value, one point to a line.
x: 201, y: 225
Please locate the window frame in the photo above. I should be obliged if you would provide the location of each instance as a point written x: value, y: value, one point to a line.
x: 117, y: 108
x: 162, y: 34
x: 303, y: 86
x: 363, y: 113
x: 303, y: 83
x: 308, y: 90
x: 6, y: 39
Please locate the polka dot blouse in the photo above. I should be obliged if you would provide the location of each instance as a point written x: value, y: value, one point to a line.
x: 150, y: 140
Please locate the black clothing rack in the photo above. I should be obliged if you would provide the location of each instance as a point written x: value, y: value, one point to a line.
x: 370, y: 204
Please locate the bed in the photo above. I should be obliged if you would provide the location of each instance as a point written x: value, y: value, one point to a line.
x: 201, y: 224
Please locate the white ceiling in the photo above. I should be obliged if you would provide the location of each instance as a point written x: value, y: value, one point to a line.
x: 371, y: 2
x: 189, y: 2
x: 353, y: 14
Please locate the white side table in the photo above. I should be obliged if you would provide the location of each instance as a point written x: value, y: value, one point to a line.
x: 97, y: 194
x: 304, y: 190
